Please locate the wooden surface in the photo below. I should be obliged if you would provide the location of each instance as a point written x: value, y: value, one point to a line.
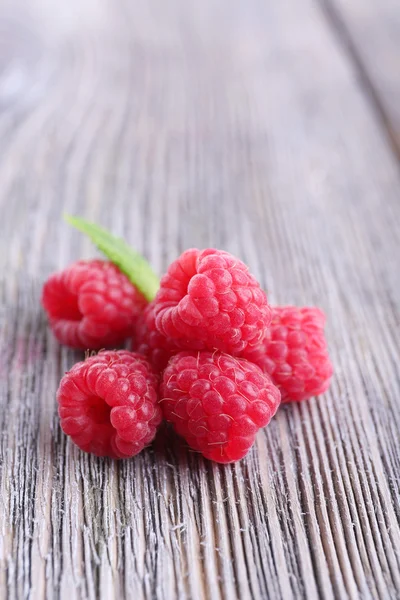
x: 269, y: 129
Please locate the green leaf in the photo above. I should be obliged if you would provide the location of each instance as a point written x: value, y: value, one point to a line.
x: 130, y: 262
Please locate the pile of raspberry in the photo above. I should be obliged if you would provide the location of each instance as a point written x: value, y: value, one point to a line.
x: 208, y: 355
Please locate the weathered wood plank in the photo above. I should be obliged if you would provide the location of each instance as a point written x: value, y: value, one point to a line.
x: 369, y: 31
x: 235, y: 124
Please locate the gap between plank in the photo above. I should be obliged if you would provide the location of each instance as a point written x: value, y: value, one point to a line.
x: 337, y: 23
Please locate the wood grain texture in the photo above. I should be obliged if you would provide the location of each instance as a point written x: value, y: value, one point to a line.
x: 368, y: 30
x: 237, y: 124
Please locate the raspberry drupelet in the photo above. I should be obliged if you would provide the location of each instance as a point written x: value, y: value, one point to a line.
x: 217, y: 402
x: 157, y: 348
x: 210, y: 297
x: 108, y: 404
x: 91, y: 305
x: 295, y: 353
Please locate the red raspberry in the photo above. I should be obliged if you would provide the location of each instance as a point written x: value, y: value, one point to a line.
x: 295, y: 353
x: 209, y: 296
x: 217, y: 402
x: 91, y: 304
x: 108, y: 404
x: 153, y: 345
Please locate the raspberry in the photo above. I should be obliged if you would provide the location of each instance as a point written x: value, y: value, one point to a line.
x: 108, y: 404
x: 295, y: 353
x: 91, y: 304
x: 211, y: 297
x: 153, y: 345
x: 217, y: 402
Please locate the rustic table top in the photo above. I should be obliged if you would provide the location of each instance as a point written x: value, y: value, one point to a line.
x: 269, y: 129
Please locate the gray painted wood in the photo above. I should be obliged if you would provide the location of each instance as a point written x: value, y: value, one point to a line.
x: 241, y: 125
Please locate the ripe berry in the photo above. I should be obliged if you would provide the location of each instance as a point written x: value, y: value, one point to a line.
x: 108, y: 404
x: 217, y: 402
x: 91, y: 305
x: 158, y: 349
x: 210, y: 296
x: 295, y: 353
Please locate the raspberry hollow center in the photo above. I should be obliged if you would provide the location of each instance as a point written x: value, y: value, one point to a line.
x: 73, y: 312
x: 98, y: 410
x: 67, y: 307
